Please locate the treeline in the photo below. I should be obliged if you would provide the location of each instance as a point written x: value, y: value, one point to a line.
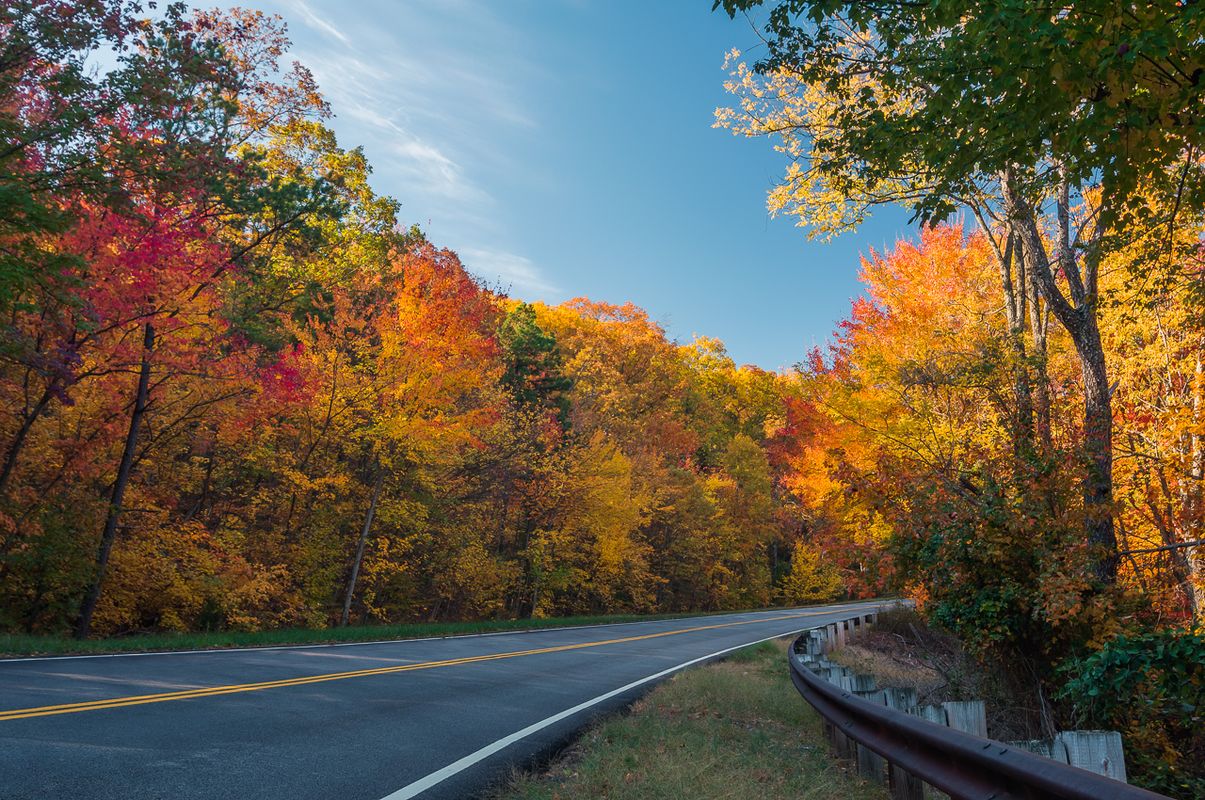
x: 918, y: 434
x: 237, y: 394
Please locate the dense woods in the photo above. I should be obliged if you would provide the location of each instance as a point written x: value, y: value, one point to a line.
x: 238, y: 393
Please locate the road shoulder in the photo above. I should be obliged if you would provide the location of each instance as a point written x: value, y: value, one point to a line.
x: 735, y: 728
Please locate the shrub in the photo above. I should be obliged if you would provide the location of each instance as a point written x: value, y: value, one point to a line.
x: 1151, y: 687
x: 900, y: 620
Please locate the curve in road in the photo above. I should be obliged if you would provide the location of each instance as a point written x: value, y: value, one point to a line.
x: 437, y: 717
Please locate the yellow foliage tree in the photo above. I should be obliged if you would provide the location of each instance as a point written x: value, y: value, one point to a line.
x: 812, y: 579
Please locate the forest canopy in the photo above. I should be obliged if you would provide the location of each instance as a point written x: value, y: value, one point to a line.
x: 238, y: 393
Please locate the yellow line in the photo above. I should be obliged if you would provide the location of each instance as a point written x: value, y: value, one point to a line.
x: 189, y: 694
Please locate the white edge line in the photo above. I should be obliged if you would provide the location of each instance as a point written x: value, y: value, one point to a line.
x: 321, y: 645
x: 425, y: 783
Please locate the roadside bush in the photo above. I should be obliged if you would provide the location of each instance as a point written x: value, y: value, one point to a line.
x: 901, y: 621
x: 1151, y: 687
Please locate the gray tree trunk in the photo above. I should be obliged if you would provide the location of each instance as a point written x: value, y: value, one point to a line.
x: 109, y: 534
x: 1038, y: 320
x: 29, y: 417
x: 1078, y: 317
x: 1012, y: 286
x: 359, y: 558
x: 1194, y: 589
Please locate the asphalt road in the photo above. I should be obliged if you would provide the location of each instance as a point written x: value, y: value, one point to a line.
x: 440, y: 718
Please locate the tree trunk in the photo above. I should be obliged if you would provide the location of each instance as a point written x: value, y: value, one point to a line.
x: 1041, y: 378
x: 1098, y: 450
x: 359, y: 559
x: 1013, y: 288
x: 1023, y: 392
x: 206, y: 482
x: 1195, y: 590
x: 14, y: 449
x: 84, y: 625
x: 1014, y: 305
x: 1081, y: 324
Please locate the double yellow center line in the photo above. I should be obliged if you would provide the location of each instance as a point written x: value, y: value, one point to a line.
x: 189, y: 694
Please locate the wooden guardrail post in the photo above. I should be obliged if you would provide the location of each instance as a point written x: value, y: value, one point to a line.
x: 1096, y: 751
x: 902, y: 784
x: 901, y: 699
x: 969, y: 716
x: 871, y: 765
x: 934, y: 714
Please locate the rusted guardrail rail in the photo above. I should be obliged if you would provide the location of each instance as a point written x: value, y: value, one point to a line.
x: 965, y: 766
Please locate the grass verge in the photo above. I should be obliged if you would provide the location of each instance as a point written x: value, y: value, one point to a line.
x: 36, y: 645
x: 733, y: 730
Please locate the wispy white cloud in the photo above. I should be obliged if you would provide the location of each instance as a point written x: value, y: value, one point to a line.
x: 429, y: 166
x: 515, y: 273
x: 440, y: 93
x: 420, y: 168
x: 308, y: 16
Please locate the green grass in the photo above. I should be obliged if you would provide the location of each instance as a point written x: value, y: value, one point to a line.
x: 729, y: 731
x: 28, y: 645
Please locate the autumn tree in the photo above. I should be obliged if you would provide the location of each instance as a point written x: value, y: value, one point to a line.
x: 811, y: 579
x: 848, y: 85
x: 198, y: 172
x: 533, y: 364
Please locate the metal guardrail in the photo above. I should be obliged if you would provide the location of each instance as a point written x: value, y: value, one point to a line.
x: 965, y: 766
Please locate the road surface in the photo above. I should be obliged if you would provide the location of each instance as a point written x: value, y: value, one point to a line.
x: 436, y: 718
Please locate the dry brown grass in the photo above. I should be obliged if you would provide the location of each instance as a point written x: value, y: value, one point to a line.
x: 903, y: 651
x: 892, y: 665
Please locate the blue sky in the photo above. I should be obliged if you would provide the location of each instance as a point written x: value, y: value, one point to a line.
x: 565, y: 148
